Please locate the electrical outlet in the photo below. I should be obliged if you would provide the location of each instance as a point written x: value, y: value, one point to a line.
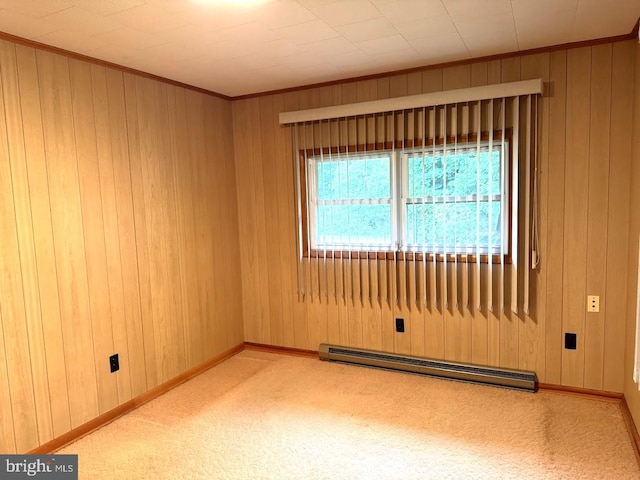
x: 400, y: 325
x: 570, y: 341
x: 114, y: 363
x: 593, y: 303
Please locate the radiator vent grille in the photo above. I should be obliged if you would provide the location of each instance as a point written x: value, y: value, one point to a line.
x: 452, y: 370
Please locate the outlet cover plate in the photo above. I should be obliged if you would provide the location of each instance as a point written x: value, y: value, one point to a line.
x: 593, y: 303
x: 114, y: 363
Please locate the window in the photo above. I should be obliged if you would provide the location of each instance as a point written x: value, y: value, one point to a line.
x: 449, y: 198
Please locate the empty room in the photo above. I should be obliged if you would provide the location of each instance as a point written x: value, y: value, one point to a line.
x: 305, y: 239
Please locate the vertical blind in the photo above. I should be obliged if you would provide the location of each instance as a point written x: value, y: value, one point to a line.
x: 431, y: 205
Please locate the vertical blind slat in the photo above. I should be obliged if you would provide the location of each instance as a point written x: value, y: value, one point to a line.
x: 527, y: 195
x: 505, y: 194
x: 490, y: 216
x: 478, y: 270
x: 515, y: 213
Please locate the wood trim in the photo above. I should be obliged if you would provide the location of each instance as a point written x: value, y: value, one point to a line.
x: 96, y: 61
x: 580, y: 392
x: 111, y: 415
x: 298, y: 352
x: 631, y: 427
x: 374, y: 76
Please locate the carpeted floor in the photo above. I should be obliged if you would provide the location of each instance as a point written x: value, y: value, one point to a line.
x: 265, y: 416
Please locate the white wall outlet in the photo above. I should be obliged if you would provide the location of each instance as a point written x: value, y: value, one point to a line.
x: 593, y: 303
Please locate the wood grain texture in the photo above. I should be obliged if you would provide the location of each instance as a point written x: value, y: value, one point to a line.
x: 107, y: 190
x: 69, y: 244
x: 631, y: 392
x: 24, y: 229
x: 619, y: 243
x: 576, y: 218
x: 14, y: 322
x: 555, y: 223
x: 126, y: 230
x: 142, y: 249
x: 598, y: 212
x: 43, y: 239
x: 94, y: 232
x: 100, y: 252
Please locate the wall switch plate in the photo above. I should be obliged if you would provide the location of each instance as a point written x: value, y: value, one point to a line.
x: 593, y: 303
x: 400, y: 325
x: 114, y: 363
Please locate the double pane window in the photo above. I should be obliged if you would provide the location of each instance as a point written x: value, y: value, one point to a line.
x: 449, y: 199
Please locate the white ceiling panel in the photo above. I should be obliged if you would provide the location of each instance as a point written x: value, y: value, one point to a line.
x: 36, y: 8
x: 16, y: 23
x: 345, y: 12
x: 380, y: 46
x: 283, y: 14
x: 427, y: 27
x: 80, y: 20
x: 148, y: 18
x: 367, y: 30
x: 400, y: 12
x: 243, y: 47
x: 308, y: 32
x: 107, y: 7
x: 67, y: 39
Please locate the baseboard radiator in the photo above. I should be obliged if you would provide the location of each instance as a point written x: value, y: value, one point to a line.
x: 503, y: 377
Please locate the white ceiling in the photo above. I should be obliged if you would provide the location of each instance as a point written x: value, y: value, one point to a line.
x: 238, y: 48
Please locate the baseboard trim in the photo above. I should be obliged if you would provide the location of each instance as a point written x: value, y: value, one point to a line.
x: 298, y: 352
x: 631, y: 427
x: 111, y: 415
x: 581, y: 392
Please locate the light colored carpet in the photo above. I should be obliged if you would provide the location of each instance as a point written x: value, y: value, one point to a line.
x: 265, y: 416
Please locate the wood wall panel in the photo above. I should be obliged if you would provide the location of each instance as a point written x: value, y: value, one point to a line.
x: 107, y: 187
x: 94, y: 232
x: 47, y: 285
x: 576, y: 214
x: 631, y: 390
x: 24, y: 230
x: 119, y: 235
x: 126, y: 229
x: 68, y: 239
x: 555, y: 223
x: 14, y: 320
x: 619, y: 244
x: 598, y: 211
x: 142, y: 250
x: 575, y: 143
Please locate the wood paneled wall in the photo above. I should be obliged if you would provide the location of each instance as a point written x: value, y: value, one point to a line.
x: 119, y: 234
x: 631, y: 392
x: 585, y: 162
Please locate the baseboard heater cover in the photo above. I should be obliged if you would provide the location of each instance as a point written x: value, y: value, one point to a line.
x: 503, y: 377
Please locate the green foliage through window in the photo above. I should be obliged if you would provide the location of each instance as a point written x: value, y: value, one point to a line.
x: 434, y: 201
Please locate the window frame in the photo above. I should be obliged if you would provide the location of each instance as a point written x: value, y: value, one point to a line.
x: 398, y: 149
